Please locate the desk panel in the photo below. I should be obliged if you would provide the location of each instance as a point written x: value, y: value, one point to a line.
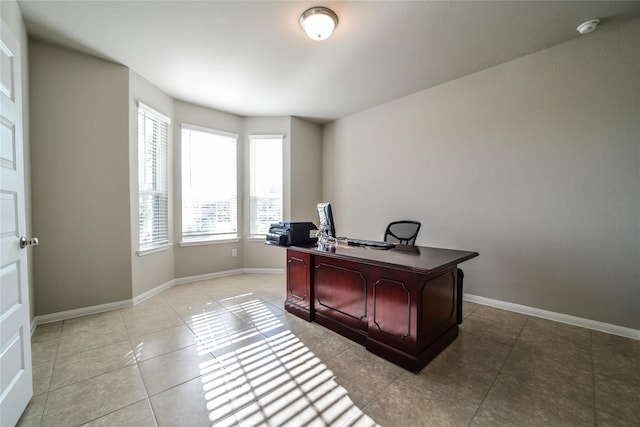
x: 341, y: 291
x: 392, y: 312
x: 299, y: 291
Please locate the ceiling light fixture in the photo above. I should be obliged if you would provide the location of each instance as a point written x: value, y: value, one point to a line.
x: 319, y: 22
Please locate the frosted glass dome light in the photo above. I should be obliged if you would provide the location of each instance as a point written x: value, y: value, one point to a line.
x: 319, y: 22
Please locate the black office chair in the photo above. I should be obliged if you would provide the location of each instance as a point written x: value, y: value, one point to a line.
x: 403, y: 232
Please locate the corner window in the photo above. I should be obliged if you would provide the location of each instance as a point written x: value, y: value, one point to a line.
x: 153, y: 188
x: 265, y: 182
x: 209, y: 184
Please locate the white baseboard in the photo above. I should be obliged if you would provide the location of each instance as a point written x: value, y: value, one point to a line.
x: 78, y: 312
x: 154, y: 291
x: 556, y: 317
x: 264, y: 270
x: 208, y: 276
x: 95, y: 309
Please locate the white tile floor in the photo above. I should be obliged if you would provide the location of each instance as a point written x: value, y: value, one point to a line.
x: 223, y: 352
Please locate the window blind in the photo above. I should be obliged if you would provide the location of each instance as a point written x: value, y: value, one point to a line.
x: 266, y: 176
x: 153, y: 188
x: 209, y: 184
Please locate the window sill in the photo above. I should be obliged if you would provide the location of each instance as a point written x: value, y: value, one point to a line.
x: 155, y: 249
x: 188, y: 243
x: 257, y: 238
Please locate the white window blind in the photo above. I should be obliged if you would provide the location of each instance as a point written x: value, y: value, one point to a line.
x: 265, y: 182
x: 153, y: 189
x: 209, y: 184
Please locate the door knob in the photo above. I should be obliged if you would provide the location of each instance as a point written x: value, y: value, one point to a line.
x: 24, y: 242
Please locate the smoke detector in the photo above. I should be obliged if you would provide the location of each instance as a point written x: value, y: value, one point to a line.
x: 588, y: 26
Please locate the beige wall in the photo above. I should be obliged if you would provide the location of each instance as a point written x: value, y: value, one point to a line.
x: 302, y: 180
x: 153, y: 269
x: 306, y: 170
x: 534, y: 163
x: 255, y: 254
x: 80, y: 179
x: 210, y: 258
x: 98, y: 120
x: 302, y: 188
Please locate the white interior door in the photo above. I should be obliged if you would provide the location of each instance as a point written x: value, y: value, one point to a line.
x: 16, y: 386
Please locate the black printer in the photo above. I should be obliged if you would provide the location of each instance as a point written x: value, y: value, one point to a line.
x: 292, y: 233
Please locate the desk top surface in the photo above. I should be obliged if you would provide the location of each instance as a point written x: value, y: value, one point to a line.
x: 416, y: 258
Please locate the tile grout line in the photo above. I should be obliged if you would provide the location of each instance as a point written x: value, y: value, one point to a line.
x: 55, y: 359
x: 593, y: 379
x: 100, y: 374
x: 498, y: 373
x: 200, y: 342
x: 135, y: 357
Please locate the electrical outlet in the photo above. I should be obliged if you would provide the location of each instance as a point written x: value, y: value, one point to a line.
x: 234, y: 252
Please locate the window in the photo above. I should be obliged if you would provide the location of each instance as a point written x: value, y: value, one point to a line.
x: 209, y: 185
x: 153, y: 188
x: 266, y: 182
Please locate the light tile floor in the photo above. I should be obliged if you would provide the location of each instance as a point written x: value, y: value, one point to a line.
x: 223, y: 352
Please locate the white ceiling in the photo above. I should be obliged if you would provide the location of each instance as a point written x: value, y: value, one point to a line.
x: 251, y: 58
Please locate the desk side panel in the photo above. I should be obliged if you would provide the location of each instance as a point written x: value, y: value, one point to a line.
x: 437, y: 308
x: 299, y: 290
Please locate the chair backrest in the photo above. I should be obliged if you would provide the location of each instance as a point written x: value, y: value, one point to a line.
x: 403, y: 232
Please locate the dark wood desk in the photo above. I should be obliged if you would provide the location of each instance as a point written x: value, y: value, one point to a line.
x: 400, y: 303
